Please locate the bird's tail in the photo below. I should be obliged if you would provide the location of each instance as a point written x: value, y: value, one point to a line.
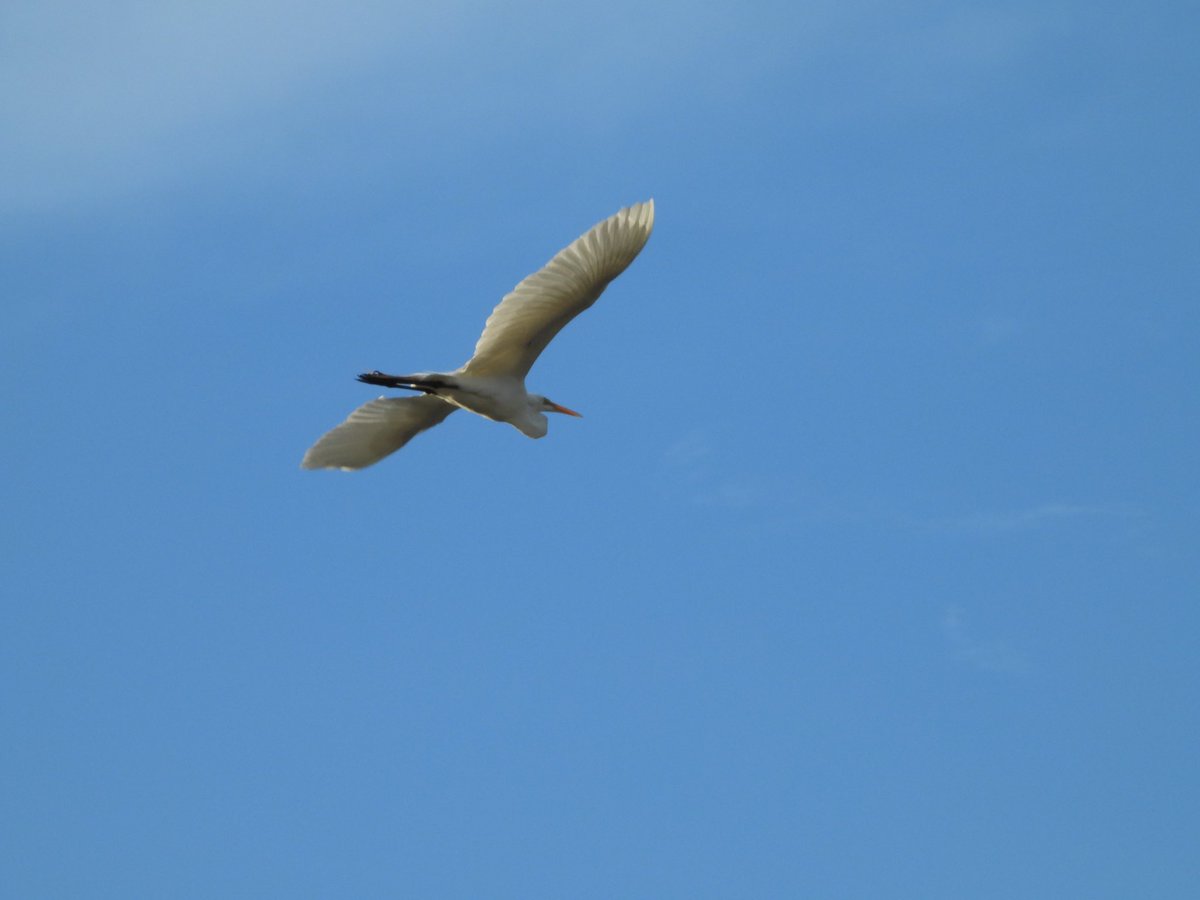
x: 425, y: 382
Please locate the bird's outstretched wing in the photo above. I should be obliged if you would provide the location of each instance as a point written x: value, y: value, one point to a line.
x: 374, y: 430
x: 528, y: 318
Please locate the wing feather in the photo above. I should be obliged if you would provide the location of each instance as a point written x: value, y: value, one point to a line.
x: 374, y: 430
x: 526, y: 320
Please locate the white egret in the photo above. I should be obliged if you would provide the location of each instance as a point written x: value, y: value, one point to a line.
x: 492, y: 382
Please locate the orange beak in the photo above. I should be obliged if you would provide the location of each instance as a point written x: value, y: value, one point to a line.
x: 554, y: 407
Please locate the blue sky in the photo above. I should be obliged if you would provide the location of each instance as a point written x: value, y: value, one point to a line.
x: 871, y: 571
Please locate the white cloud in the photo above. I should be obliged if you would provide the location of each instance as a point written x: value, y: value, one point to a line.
x: 996, y: 329
x: 988, y: 656
x: 992, y: 522
x: 96, y: 97
x: 102, y: 99
x: 688, y: 456
x: 693, y: 463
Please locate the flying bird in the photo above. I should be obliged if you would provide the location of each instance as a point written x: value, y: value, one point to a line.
x: 492, y: 382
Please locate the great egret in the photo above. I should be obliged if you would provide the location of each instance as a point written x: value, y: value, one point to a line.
x: 492, y: 382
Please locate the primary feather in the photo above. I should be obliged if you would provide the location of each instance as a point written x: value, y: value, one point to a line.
x: 374, y: 430
x: 526, y: 320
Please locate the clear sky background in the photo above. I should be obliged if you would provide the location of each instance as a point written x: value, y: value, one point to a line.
x: 871, y: 570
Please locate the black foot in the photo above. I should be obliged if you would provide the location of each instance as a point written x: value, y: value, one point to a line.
x: 408, y: 382
x: 381, y: 379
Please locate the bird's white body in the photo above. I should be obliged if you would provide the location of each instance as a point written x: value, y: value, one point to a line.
x: 492, y: 382
x: 501, y: 398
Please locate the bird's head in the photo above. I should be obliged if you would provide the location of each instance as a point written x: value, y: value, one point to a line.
x: 545, y: 405
x: 533, y: 423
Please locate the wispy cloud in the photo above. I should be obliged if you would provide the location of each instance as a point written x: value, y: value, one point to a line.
x: 988, y: 656
x: 696, y: 464
x: 103, y: 100
x: 915, y: 57
x: 99, y: 100
x: 996, y: 329
x: 696, y: 468
x: 689, y: 457
x: 1039, y: 516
